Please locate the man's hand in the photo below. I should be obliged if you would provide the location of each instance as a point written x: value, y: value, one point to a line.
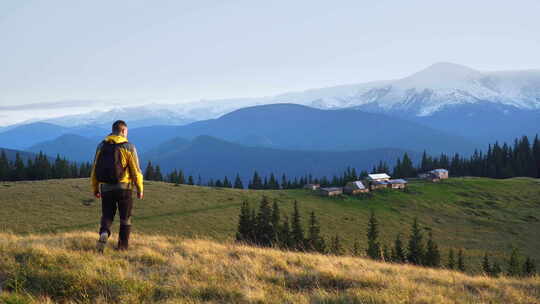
x: 140, y: 195
x: 97, y: 194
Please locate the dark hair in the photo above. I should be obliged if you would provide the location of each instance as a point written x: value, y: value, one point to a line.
x: 117, y: 125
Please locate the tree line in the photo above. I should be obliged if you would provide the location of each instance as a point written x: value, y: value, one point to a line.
x: 268, y: 227
x: 500, y: 161
x: 40, y: 167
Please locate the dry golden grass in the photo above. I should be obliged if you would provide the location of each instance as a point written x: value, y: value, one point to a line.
x: 64, y: 268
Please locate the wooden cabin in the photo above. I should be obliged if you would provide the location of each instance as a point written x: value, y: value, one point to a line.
x: 440, y: 173
x: 312, y: 186
x: 378, y: 185
x: 354, y: 188
x: 331, y: 191
x: 397, y: 183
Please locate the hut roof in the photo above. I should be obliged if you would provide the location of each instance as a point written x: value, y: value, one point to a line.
x: 356, y: 185
x: 439, y: 170
x: 397, y: 181
x: 378, y: 176
x: 332, y: 189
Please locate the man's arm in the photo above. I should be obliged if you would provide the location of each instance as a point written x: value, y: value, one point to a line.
x: 93, y: 178
x: 135, y: 172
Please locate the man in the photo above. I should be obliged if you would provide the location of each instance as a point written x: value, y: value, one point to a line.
x: 114, y: 176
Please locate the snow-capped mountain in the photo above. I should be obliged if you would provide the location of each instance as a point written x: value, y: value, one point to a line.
x: 431, y: 90
x: 423, y: 94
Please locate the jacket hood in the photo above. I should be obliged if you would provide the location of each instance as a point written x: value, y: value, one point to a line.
x: 117, y: 139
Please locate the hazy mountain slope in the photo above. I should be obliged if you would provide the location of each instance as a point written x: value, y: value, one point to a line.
x: 73, y: 147
x: 214, y: 158
x: 11, y: 154
x: 289, y: 126
x: 24, y: 136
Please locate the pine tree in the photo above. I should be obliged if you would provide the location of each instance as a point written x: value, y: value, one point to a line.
x: 149, y: 172
x: 433, y: 256
x: 416, y: 249
x: 265, y: 233
x: 461, y: 261
x: 245, y: 226
x: 274, y: 220
x: 335, y: 246
x: 157, y: 174
x: 529, y: 267
x: 496, y: 269
x: 514, y: 264
x: 399, y: 255
x: 238, y: 182
x: 374, y: 248
x: 356, y: 248
x: 4, y: 166
x: 451, y: 259
x: 297, y: 232
x: 486, y: 265
x: 386, y: 257
x: 314, y: 241
x: 19, y: 172
x: 285, y: 240
x: 190, y: 180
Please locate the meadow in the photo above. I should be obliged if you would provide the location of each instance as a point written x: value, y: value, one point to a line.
x: 476, y: 214
x: 64, y: 268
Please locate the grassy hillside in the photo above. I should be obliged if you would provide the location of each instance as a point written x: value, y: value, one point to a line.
x: 473, y: 213
x: 64, y: 268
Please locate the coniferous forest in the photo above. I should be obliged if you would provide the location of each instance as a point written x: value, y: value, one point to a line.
x: 266, y: 226
x: 40, y: 167
x: 522, y: 158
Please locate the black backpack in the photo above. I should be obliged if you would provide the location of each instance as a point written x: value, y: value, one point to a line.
x: 109, y: 168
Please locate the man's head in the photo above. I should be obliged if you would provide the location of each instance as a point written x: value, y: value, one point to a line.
x: 119, y: 127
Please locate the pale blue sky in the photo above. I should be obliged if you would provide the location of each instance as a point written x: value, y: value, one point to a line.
x: 154, y: 51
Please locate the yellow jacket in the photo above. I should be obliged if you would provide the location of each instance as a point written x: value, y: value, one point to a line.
x: 129, y: 159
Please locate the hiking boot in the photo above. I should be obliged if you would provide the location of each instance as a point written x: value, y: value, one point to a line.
x: 100, y: 247
x: 123, y: 237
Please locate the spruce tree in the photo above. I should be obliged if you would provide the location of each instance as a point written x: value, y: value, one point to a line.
x: 451, y: 259
x: 374, y: 248
x: 529, y: 267
x: 356, y: 248
x: 386, y: 254
x: 238, y: 182
x: 265, y: 233
x: 157, y: 174
x: 486, y: 265
x: 416, y: 249
x: 398, y: 251
x: 314, y: 241
x: 285, y: 240
x: 297, y: 232
x: 336, y: 247
x: 190, y: 180
x: 496, y: 269
x: 514, y: 268
x: 149, y: 172
x: 245, y: 226
x: 275, y: 220
x: 433, y: 256
x: 4, y: 166
x: 461, y: 261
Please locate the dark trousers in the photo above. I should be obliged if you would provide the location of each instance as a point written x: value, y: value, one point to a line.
x: 111, y: 201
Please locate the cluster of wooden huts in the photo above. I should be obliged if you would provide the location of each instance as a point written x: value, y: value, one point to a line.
x: 375, y: 182
x: 372, y: 182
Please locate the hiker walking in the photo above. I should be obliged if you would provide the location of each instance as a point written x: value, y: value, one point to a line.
x: 115, y: 174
